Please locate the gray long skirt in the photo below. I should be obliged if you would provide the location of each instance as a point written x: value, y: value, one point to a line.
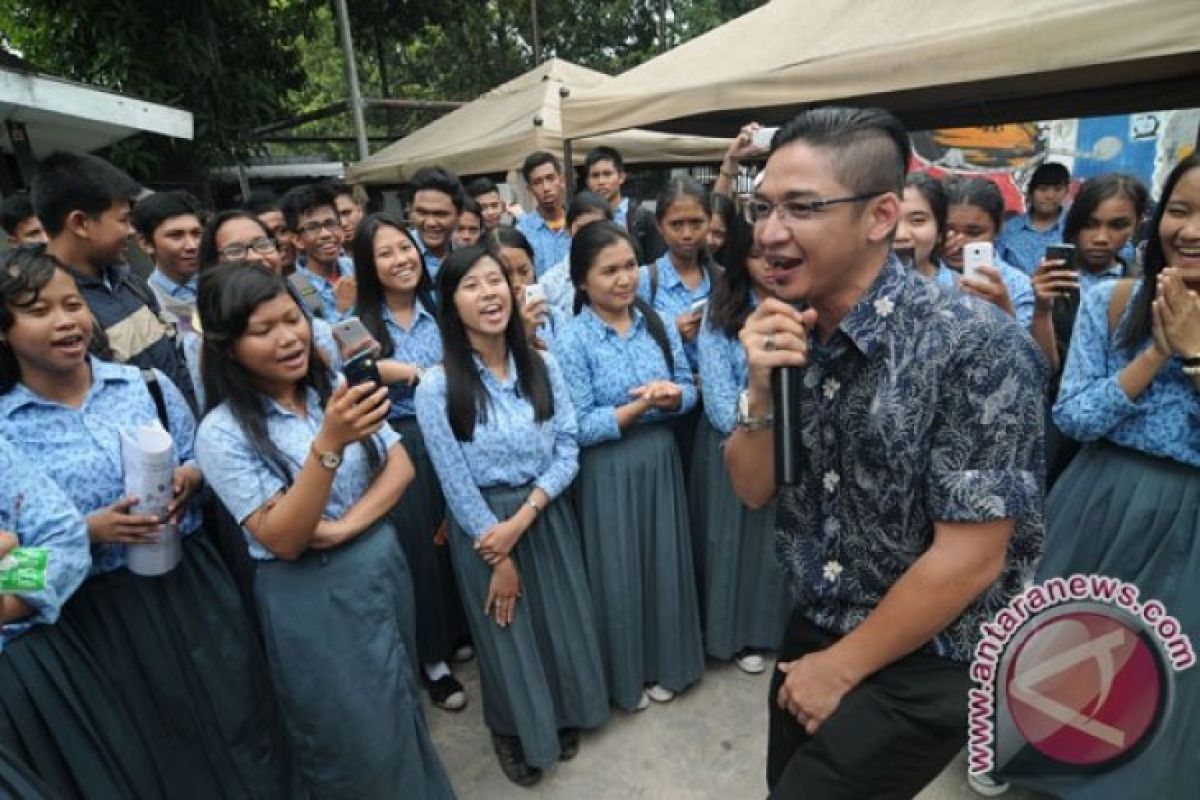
x: 744, y: 598
x: 638, y: 553
x: 339, y: 633
x: 1124, y: 514
x: 147, y: 688
x: 440, y: 619
x: 542, y: 673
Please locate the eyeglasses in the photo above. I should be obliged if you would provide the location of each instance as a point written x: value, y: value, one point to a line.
x: 310, y: 228
x: 798, y: 210
x: 239, y: 250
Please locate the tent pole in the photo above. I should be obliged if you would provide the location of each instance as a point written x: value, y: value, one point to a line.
x: 356, y: 100
x: 568, y: 170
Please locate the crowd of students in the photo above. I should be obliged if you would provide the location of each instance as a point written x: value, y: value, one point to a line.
x: 551, y: 475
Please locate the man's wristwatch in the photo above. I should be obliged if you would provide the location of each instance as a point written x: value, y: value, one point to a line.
x: 327, y: 459
x: 744, y: 420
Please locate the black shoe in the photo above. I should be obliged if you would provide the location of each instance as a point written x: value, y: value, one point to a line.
x: 568, y: 743
x: 447, y: 693
x: 512, y: 761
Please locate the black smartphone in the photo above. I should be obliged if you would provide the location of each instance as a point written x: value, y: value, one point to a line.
x: 1062, y: 252
x: 360, y: 369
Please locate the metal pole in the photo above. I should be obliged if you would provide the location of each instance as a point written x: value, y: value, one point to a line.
x: 356, y: 104
x: 537, y: 34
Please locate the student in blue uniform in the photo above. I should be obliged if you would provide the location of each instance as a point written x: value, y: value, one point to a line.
x: 628, y: 377
x: 1128, y: 506
x: 921, y: 232
x: 584, y: 209
x: 311, y: 472
x: 974, y: 213
x: 395, y: 304
x: 745, y: 602
x: 316, y: 232
x: 542, y: 319
x: 1023, y: 239
x: 178, y: 649
x: 500, y: 429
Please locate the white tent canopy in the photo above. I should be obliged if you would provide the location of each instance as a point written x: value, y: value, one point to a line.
x: 64, y: 115
x: 495, y: 132
x: 936, y: 63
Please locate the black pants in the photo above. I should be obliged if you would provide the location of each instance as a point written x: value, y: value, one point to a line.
x: 888, y: 738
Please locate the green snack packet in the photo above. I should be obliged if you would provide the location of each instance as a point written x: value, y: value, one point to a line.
x: 24, y: 570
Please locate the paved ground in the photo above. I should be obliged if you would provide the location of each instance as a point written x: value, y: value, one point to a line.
x: 709, y: 743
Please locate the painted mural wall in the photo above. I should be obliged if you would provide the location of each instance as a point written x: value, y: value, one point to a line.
x: 1146, y: 145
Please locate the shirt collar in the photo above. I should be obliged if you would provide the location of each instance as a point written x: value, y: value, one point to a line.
x: 867, y: 323
x: 160, y: 278
x: 489, y: 377
x: 419, y: 311
x: 593, y: 321
x: 103, y: 373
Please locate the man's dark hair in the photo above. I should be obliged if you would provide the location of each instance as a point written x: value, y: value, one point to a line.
x: 537, y: 159
x: 15, y: 209
x: 438, y: 179
x: 870, y: 147
x: 603, y: 153
x: 1050, y: 173
x: 155, y: 209
x: 302, y: 200
x: 481, y: 186
x: 260, y: 201
x: 587, y: 203
x: 471, y: 206
x: 66, y: 182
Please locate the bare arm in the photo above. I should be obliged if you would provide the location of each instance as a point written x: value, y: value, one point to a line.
x: 384, y: 492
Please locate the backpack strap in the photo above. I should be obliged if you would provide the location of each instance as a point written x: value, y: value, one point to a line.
x: 1117, y: 304
x: 307, y: 294
x: 156, y: 394
x: 652, y: 269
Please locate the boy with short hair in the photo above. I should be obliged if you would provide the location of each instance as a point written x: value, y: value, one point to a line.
x: 546, y: 226
x: 309, y: 213
x: 437, y: 202
x: 1024, y: 238
x: 168, y: 226
x: 604, y: 174
x: 85, y: 204
x: 19, y: 221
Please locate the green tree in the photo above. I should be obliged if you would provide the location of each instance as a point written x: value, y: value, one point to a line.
x: 229, y: 62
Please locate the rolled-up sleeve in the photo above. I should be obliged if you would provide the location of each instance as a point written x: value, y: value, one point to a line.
x: 986, y: 454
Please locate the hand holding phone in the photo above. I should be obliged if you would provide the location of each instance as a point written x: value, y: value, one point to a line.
x: 976, y: 255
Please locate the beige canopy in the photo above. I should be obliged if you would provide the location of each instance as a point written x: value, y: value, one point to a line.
x: 936, y: 63
x: 497, y: 131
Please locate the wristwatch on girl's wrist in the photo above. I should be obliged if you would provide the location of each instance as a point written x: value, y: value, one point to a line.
x: 327, y: 458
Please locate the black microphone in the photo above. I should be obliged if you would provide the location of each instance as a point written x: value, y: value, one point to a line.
x: 785, y: 396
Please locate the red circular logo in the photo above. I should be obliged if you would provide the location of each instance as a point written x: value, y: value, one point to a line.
x: 1085, y: 688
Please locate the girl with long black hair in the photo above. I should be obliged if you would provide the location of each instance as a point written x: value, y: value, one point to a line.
x: 310, y: 470
x: 157, y: 688
x: 628, y: 377
x: 396, y: 306
x: 1128, y: 506
x: 500, y: 428
x: 743, y: 596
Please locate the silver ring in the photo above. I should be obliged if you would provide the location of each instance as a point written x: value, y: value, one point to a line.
x: 769, y: 342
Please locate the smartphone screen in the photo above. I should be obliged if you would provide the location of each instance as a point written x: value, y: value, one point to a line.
x: 1062, y: 252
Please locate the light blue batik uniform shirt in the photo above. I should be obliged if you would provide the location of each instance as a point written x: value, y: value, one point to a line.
x: 325, y: 289
x: 1024, y: 246
x: 1020, y: 288
x: 508, y: 448
x: 723, y: 373
x: 1163, y: 421
x: 80, y: 448
x: 420, y: 344
x: 673, y: 298
x: 549, y: 246
x: 245, y: 481
x: 41, y: 515
x: 602, y: 365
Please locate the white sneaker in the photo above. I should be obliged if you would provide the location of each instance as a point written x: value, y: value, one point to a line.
x: 643, y: 702
x: 987, y: 786
x: 750, y: 663
x: 660, y: 694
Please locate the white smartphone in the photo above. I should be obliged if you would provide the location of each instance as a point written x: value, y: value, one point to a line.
x: 352, y: 337
x: 762, y: 138
x: 976, y: 255
x: 534, y: 293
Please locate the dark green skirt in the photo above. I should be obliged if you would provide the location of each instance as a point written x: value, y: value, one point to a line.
x: 1121, y: 513
x: 17, y: 782
x: 638, y: 553
x: 147, y: 687
x: 744, y: 598
x: 440, y: 618
x: 339, y: 632
x: 542, y: 673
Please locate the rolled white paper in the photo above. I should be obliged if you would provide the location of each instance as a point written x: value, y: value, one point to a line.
x: 148, y: 455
